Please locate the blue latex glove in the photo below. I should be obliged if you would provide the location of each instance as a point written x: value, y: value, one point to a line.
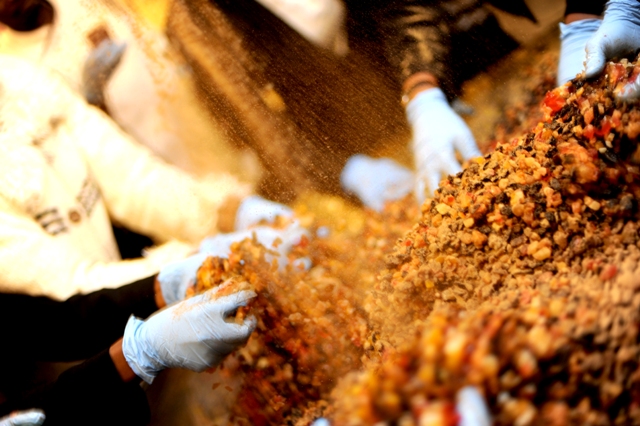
x: 24, y: 418
x: 176, y: 277
x: 220, y: 245
x: 321, y: 422
x: 573, y: 40
x: 376, y: 181
x: 618, y: 35
x: 437, y: 132
x: 255, y: 209
x: 98, y: 67
x: 192, y: 334
x: 471, y: 408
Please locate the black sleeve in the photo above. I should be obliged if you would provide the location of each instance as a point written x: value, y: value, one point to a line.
x: 451, y: 39
x: 91, y: 393
x: 43, y: 329
x: 415, y: 36
x: 592, y: 7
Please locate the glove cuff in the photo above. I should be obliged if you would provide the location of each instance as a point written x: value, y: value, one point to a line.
x: 582, y: 29
x: 133, y: 350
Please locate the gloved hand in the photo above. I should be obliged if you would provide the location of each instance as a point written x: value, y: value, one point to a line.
x: 321, y: 422
x: 255, y: 209
x: 192, y: 334
x: 471, y: 408
x: 98, y: 67
x: 220, y: 245
x: 573, y: 40
x: 437, y: 132
x: 618, y: 35
x: 176, y: 277
x: 376, y: 181
x: 24, y: 418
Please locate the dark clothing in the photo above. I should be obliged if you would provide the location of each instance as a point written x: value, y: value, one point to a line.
x: 452, y: 39
x: 91, y: 393
x: 43, y: 329
x: 302, y: 106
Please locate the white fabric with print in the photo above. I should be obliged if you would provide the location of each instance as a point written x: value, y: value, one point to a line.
x: 66, y: 170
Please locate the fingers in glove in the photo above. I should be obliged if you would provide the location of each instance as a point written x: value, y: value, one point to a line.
x: 426, y: 183
x: 239, y: 333
x: 466, y: 145
x: 573, y: 39
x: 450, y: 166
x: 596, y: 57
x: 230, y: 303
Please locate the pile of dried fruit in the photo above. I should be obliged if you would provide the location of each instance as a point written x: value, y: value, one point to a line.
x: 311, y: 328
x: 561, y: 351
x: 521, y: 278
x: 537, y: 205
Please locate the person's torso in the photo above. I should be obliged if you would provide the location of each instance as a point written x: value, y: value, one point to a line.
x: 45, y: 174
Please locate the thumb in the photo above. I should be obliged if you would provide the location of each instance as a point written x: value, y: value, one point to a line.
x: 238, y: 333
x: 596, y: 57
x: 227, y: 304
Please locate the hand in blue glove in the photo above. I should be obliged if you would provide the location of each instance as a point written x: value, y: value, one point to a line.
x: 437, y: 133
x: 192, y: 334
x: 376, y: 181
x: 471, y: 408
x: 24, y: 418
x: 98, y: 67
x: 255, y: 209
x: 220, y: 245
x: 573, y: 40
x: 176, y: 277
x: 618, y: 35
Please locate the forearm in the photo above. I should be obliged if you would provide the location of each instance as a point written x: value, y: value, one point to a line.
x: 48, y: 330
x: 416, y: 38
x: 119, y: 361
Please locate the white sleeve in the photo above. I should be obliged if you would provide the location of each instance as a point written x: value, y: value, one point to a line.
x: 140, y: 190
x: 36, y: 263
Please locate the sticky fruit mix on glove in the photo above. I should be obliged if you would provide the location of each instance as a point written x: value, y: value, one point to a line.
x: 213, y: 274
